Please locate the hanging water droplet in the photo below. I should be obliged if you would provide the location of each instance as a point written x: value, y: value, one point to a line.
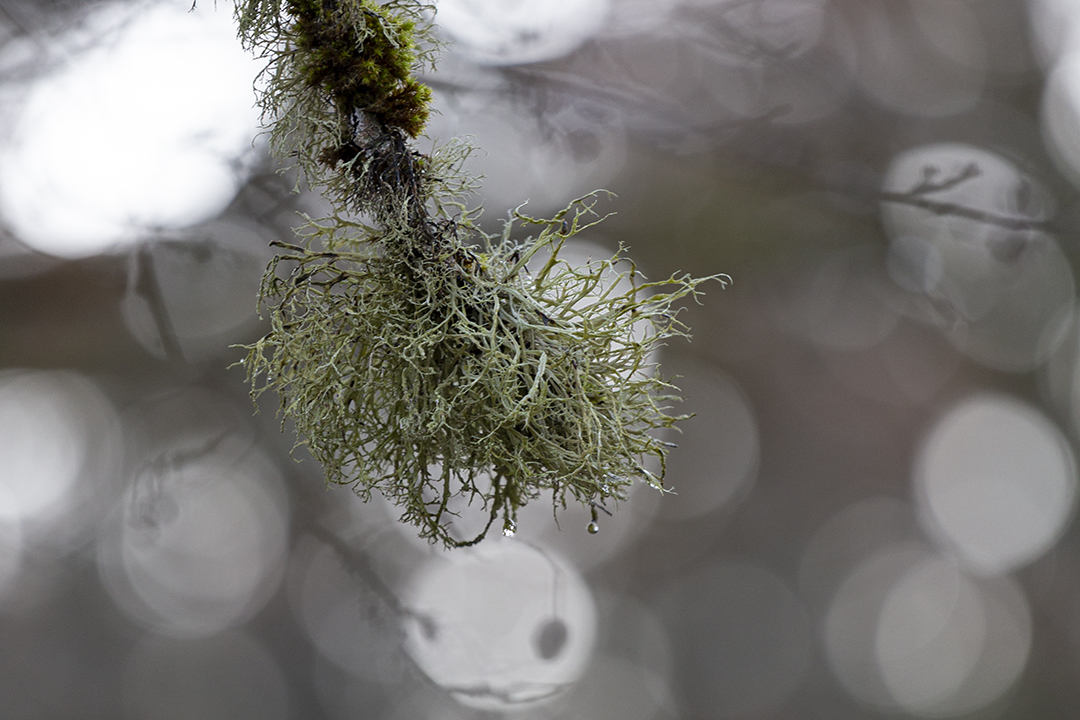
x: 509, y: 529
x: 594, y: 527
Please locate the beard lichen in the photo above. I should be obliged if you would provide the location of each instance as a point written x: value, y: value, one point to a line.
x: 417, y: 356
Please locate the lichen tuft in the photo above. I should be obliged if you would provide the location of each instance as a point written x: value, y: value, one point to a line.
x: 416, y: 355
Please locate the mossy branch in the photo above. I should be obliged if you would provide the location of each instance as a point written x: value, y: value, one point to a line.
x: 413, y: 363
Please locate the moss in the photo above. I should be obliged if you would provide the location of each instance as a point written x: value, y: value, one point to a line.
x: 363, y: 60
x: 412, y: 362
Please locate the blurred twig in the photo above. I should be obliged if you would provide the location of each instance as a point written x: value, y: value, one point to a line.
x: 916, y: 197
x: 358, y: 565
x: 1008, y: 222
x: 147, y: 285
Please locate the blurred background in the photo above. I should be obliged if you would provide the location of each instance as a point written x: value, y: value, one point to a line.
x: 873, y: 506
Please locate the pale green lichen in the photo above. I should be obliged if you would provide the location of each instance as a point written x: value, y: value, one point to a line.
x: 417, y: 356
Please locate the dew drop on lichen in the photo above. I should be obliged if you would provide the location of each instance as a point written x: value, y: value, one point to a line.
x: 509, y: 530
x: 594, y: 527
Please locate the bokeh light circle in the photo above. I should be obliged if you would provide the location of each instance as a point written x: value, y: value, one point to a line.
x: 930, y: 634
x: 340, y: 615
x: 849, y: 627
x: 921, y: 59
x: 189, y: 292
x: 1054, y: 25
x: 504, y: 625
x: 150, y: 128
x: 964, y: 229
x: 765, y: 28
x: 44, y: 444
x: 575, y: 147
x: 716, y: 461
x: 1060, y: 112
x: 515, y: 32
x: 613, y: 688
x: 996, y: 482
x: 59, y: 446
x: 199, y: 542
x: 909, y: 630
x: 845, y: 541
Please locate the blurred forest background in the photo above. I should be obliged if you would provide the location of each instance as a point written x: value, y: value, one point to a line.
x: 873, y: 506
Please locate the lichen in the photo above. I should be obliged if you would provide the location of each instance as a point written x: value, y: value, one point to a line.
x: 416, y: 355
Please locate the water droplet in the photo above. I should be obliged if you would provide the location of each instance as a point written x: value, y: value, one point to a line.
x: 509, y: 530
x: 594, y: 527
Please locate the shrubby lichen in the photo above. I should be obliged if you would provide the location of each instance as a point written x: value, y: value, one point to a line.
x: 417, y: 356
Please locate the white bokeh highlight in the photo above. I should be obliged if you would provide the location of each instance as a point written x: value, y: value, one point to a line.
x: 199, y: 542
x: 149, y: 128
x: 613, y: 688
x: 996, y: 482
x: 59, y: 445
x: 1054, y: 28
x: 930, y: 634
x: 569, y: 150
x: 44, y: 445
x: 719, y: 448
x: 1060, y: 114
x: 998, y: 286
x: 516, y: 32
x: 501, y: 626
x: 909, y: 630
x: 192, y: 289
x: 770, y: 28
x: 925, y: 59
x: 339, y: 614
x: 849, y: 626
x: 845, y: 540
